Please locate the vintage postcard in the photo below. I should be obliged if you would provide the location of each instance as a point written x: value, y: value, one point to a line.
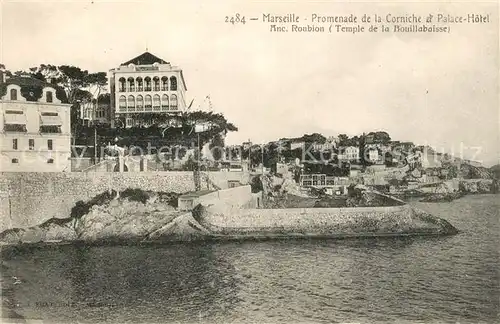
x: 244, y: 161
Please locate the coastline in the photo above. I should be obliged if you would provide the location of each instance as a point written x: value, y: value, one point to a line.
x: 125, y: 222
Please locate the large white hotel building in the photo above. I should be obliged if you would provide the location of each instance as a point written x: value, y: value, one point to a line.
x: 143, y: 85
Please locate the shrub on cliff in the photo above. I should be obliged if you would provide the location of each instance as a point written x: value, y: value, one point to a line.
x: 256, y: 185
x: 135, y: 195
x: 82, y: 208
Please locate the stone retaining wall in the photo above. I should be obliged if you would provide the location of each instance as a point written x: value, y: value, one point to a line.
x: 28, y: 199
x: 303, y: 218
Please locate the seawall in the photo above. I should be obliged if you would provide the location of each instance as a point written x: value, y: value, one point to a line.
x: 227, y: 222
x: 29, y: 199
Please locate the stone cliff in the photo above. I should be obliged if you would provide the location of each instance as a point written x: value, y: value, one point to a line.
x: 130, y: 215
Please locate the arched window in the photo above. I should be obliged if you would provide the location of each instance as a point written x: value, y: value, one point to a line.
x: 147, y: 84
x: 131, y: 103
x: 173, y: 83
x: 173, y: 102
x: 164, y: 102
x: 122, y: 103
x: 13, y: 94
x: 140, y: 103
x: 156, y: 83
x: 48, y: 96
x: 121, y: 86
x: 148, y: 104
x: 164, y: 83
x: 156, y: 102
x: 139, y: 84
x: 131, y: 84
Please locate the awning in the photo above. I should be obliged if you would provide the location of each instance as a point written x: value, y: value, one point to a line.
x: 51, y: 121
x: 15, y: 119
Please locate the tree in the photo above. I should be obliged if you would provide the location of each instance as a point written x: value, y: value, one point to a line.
x: 217, y: 143
x: 343, y: 140
x: 72, y: 80
x: 362, y: 148
x: 314, y: 138
x: 98, y: 81
x: 380, y: 137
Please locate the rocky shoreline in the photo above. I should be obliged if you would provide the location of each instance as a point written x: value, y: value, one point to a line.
x: 134, y: 216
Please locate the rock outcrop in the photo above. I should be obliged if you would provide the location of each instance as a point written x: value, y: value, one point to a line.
x: 228, y: 222
x: 134, y: 216
x: 123, y: 220
x: 130, y: 215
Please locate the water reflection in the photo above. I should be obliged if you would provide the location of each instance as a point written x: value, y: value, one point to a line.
x: 190, y: 280
x: 447, y: 279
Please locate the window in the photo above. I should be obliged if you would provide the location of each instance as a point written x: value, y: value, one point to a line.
x: 156, y: 102
x: 50, y: 161
x: 49, y: 144
x: 173, y: 83
x: 15, y: 161
x: 129, y: 122
x: 140, y: 103
x: 31, y: 144
x: 173, y: 102
x: 121, y: 86
x: 164, y: 83
x: 13, y: 94
x: 49, y: 96
x: 148, y: 103
x: 131, y: 84
x: 123, y: 103
x: 156, y: 83
x: 139, y: 84
x: 50, y: 129
x: 14, y: 128
x: 147, y: 84
x: 49, y: 114
x: 164, y: 102
x: 14, y: 144
x: 131, y: 103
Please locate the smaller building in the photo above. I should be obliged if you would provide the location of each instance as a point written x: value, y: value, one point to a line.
x: 348, y: 153
x: 98, y: 111
x: 402, y: 147
x: 373, y: 155
x: 35, y: 130
x: 297, y: 145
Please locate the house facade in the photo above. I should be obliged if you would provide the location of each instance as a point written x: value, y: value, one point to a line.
x: 348, y: 153
x: 35, y: 130
x: 297, y: 145
x: 145, y: 85
x: 97, y: 112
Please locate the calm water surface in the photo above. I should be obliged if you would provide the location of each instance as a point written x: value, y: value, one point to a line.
x: 452, y: 279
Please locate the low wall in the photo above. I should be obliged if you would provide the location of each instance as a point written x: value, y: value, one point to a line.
x: 28, y: 199
x: 300, y: 217
x: 235, y: 197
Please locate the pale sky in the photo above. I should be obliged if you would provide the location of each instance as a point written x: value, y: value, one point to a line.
x: 436, y: 89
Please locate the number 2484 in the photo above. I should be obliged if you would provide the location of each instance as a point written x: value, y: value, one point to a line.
x: 236, y: 19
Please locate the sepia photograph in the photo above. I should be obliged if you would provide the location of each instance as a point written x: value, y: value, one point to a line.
x: 249, y: 161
